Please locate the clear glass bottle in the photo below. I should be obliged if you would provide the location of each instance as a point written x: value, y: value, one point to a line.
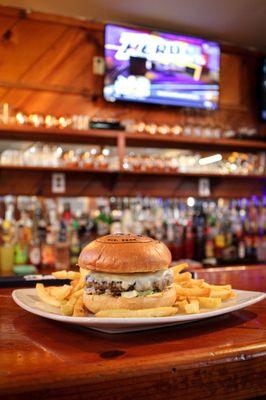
x: 62, y: 249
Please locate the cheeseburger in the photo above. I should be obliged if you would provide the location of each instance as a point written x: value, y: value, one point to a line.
x: 127, y: 272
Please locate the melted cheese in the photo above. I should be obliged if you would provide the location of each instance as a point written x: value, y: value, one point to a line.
x: 142, y: 281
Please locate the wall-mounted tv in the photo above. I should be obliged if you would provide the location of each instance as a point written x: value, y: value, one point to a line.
x: 263, y: 89
x: 160, y: 68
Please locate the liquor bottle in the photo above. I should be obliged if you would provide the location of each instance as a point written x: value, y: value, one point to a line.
x: 248, y: 240
x: 158, y: 221
x: 199, y: 226
x: 179, y: 242
x: 62, y: 248
x: 169, y: 227
x: 74, y: 244
x: 241, y: 250
x: 189, y: 244
x: 115, y: 217
x: 137, y: 217
x: 240, y: 230
x: 209, y: 246
x: 67, y: 215
x: 126, y: 220
x: 7, y: 240
x: 21, y: 248
x: 41, y: 223
x: 26, y: 222
x: 35, y: 248
x: 48, y: 253
x: 7, y: 248
x: 86, y: 228
x: 103, y: 221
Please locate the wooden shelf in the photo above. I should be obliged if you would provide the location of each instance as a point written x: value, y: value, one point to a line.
x: 136, y: 139
x: 83, y: 170
x: 36, y: 181
x: 62, y: 168
x: 102, y: 136
x: 66, y: 135
x: 194, y: 174
x: 20, y: 180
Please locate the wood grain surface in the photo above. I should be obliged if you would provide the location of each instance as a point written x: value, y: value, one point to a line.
x: 46, y: 67
x: 221, y: 358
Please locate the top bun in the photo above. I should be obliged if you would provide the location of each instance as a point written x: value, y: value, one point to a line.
x: 124, y: 254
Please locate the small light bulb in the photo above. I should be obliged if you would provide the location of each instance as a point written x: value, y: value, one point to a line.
x: 106, y: 152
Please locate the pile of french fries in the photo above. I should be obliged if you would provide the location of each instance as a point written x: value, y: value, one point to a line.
x: 192, y: 296
x: 68, y: 298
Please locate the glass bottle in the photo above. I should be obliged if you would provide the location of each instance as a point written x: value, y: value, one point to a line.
x: 7, y: 248
x: 35, y: 248
x: 62, y: 249
x: 75, y: 246
x: 21, y: 248
x: 48, y: 253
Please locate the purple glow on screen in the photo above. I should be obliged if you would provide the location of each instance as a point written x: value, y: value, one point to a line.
x: 160, y: 68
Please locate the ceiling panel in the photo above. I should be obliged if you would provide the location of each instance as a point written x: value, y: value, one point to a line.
x: 240, y: 22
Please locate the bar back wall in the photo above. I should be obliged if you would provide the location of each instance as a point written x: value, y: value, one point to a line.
x: 46, y: 67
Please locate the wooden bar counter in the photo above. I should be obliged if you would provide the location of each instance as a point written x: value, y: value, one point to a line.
x: 220, y: 358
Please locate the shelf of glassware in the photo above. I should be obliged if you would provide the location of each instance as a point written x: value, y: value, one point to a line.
x: 123, y: 138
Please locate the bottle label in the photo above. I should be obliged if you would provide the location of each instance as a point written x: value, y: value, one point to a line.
x: 35, y: 256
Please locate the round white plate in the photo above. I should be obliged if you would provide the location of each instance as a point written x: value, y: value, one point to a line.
x: 29, y: 301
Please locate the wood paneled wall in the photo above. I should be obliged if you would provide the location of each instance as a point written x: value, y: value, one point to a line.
x: 46, y: 67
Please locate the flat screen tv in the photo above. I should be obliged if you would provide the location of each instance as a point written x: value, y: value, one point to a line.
x: 160, y: 68
x: 263, y: 89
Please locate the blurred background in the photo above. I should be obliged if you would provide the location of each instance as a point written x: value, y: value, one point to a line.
x: 118, y: 117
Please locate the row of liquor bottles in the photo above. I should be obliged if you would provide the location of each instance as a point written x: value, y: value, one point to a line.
x: 51, y: 232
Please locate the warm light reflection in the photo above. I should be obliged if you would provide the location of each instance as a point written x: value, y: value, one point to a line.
x: 210, y: 160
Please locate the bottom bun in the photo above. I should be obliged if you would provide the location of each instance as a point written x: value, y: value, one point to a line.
x: 99, y: 302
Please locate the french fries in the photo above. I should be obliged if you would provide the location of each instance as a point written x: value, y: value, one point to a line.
x: 209, y: 302
x: 189, y: 306
x: 45, y: 296
x: 178, y: 268
x: 145, y: 313
x: 68, y: 308
x: 218, y: 287
x: 79, y: 284
x: 192, y: 295
x: 79, y: 309
x: 59, y: 292
x: 185, y: 277
x: 68, y: 298
x: 66, y: 274
x: 221, y: 293
x: 195, y: 294
x: 192, y: 307
x: 193, y: 291
x: 193, y: 283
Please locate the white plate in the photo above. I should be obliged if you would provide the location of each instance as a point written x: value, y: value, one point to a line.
x: 29, y: 301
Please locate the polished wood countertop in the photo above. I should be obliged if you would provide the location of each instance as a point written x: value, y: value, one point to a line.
x: 220, y: 358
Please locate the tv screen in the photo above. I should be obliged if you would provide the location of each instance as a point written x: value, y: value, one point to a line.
x: 160, y: 68
x: 263, y: 90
